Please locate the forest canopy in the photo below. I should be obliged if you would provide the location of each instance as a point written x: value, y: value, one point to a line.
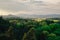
x: 29, y: 29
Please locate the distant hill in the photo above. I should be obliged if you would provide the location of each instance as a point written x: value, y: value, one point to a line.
x: 39, y: 16
x: 32, y: 16
x: 10, y: 16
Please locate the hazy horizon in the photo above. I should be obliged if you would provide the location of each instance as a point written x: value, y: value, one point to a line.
x: 31, y: 7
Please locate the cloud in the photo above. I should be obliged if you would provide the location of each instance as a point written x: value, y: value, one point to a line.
x: 30, y: 7
x: 22, y: 1
x: 12, y: 6
x: 50, y: 1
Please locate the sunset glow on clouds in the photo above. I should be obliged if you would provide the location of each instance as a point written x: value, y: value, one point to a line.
x: 29, y: 7
x: 4, y: 12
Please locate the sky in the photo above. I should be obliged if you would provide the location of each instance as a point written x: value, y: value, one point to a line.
x: 31, y: 7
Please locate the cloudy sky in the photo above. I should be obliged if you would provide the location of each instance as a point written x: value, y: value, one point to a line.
x: 37, y: 7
